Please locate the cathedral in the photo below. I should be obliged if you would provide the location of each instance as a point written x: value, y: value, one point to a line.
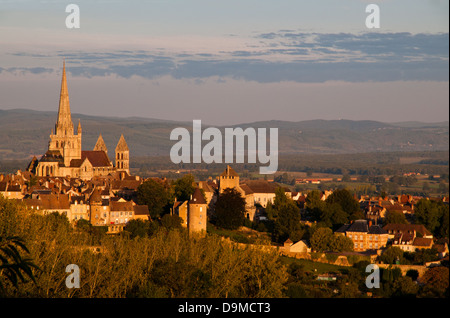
x: 65, y: 158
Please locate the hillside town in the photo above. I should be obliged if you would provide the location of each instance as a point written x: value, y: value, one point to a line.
x: 86, y: 186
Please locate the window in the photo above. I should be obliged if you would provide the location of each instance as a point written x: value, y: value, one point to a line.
x: 360, y: 237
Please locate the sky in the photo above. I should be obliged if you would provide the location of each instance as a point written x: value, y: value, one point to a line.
x: 229, y: 61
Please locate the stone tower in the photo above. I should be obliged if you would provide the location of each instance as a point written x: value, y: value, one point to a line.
x: 197, y: 216
x: 122, y: 156
x: 64, y: 139
x: 95, y: 203
x: 228, y: 179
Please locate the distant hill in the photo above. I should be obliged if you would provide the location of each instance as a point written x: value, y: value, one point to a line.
x: 24, y: 133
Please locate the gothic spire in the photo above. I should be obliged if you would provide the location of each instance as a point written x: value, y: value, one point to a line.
x: 64, y: 124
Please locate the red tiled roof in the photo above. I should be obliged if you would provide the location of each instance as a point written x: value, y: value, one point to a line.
x: 96, y: 158
x: 120, y: 206
x: 420, y: 241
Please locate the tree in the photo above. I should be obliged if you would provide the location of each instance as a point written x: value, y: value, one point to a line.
x: 13, y: 267
x: 184, y: 187
x: 230, y: 209
x: 414, y: 274
x: 137, y: 228
x: 404, y: 287
x: 171, y: 221
x: 395, y: 217
x: 347, y: 202
x: 321, y: 238
x: 287, y: 224
x: 391, y: 254
x: 341, y: 243
x: 436, y: 280
x: 431, y: 214
x: 155, y: 195
x: 333, y: 215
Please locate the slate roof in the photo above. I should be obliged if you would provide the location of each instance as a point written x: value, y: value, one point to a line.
x: 358, y: 226
x: 419, y: 228
x: 197, y: 197
x: 376, y: 229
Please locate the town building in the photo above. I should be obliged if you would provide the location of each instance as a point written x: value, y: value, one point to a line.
x: 364, y: 235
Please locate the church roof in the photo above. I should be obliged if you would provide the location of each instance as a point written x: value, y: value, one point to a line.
x: 96, y: 158
x: 122, y: 144
x: 52, y: 156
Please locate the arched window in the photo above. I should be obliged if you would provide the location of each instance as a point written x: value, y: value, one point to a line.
x: 57, y: 144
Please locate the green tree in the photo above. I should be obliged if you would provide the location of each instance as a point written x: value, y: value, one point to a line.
x: 348, y: 203
x: 395, y: 217
x: 155, y: 195
x: 184, y: 187
x: 391, y: 254
x: 13, y: 267
x: 431, y: 214
x: 321, y: 239
x: 230, y: 209
x: 287, y: 224
x: 436, y: 282
x: 171, y: 222
x: 137, y: 228
x: 404, y: 287
x: 341, y: 243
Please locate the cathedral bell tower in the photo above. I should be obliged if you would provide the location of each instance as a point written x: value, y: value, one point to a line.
x: 64, y: 139
x: 122, y: 156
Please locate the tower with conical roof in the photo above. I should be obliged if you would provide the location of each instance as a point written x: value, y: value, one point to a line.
x: 100, y: 145
x: 122, y: 156
x: 64, y: 139
x: 197, y: 213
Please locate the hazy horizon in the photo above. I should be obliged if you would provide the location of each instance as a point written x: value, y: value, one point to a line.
x: 229, y: 62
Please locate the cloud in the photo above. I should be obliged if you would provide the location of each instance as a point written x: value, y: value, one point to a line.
x: 276, y: 57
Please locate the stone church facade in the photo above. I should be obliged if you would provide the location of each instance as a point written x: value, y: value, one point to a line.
x: 65, y: 157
